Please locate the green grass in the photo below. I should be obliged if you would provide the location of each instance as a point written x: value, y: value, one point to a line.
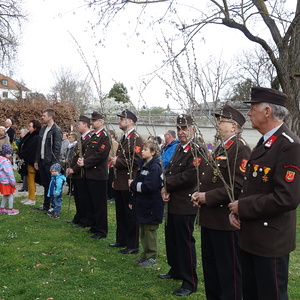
x: 45, y: 258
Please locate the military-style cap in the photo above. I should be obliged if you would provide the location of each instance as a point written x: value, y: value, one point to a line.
x: 261, y: 94
x: 184, y: 120
x: 84, y: 119
x: 96, y: 116
x: 229, y: 112
x: 126, y: 113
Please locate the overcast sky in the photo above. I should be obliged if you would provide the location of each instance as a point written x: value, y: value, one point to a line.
x: 47, y: 46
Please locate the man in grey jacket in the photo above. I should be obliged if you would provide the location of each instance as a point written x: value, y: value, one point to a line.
x: 48, y: 152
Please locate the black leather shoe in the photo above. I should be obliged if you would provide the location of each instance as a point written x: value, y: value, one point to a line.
x: 182, y: 292
x: 97, y: 237
x: 22, y: 190
x: 116, y: 245
x: 40, y: 208
x: 129, y: 251
x: 78, y: 226
x: 165, y: 276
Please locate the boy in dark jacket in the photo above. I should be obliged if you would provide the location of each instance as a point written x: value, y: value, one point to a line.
x: 147, y: 203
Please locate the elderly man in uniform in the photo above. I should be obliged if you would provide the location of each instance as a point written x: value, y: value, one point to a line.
x: 181, y: 182
x: 266, y: 210
x: 221, y: 182
x: 81, y: 217
x: 129, y: 150
x: 95, y: 161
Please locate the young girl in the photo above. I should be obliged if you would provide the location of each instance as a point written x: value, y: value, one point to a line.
x: 147, y: 203
x: 7, y: 181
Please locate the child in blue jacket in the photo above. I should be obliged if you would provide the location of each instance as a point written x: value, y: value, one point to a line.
x: 147, y: 203
x: 55, y: 190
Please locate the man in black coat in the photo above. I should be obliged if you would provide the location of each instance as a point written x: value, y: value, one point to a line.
x: 77, y: 175
x: 266, y: 210
x: 221, y: 182
x: 125, y: 163
x: 180, y: 183
x: 95, y: 163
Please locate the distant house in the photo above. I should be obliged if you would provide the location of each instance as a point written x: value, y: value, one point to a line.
x: 11, y: 89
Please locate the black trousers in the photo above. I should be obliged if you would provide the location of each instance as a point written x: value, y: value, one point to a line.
x: 97, y: 206
x: 221, y: 263
x: 127, y: 233
x: 110, y: 189
x: 264, y: 278
x: 44, y: 170
x: 80, y: 196
x: 180, y: 246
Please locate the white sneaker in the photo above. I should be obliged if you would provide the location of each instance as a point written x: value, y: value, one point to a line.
x: 24, y: 200
x: 29, y: 202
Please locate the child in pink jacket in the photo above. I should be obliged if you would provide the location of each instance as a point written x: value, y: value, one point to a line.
x: 7, y: 181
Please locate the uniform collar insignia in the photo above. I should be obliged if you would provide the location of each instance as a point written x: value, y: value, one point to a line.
x: 270, y: 141
x: 228, y: 144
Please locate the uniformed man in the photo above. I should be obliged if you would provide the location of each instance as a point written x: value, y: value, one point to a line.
x: 266, y: 210
x: 95, y: 163
x: 80, y: 195
x: 129, y: 150
x: 221, y: 182
x: 181, y: 181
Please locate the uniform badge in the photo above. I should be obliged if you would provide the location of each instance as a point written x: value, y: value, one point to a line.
x: 197, y: 161
x: 243, y: 165
x: 137, y: 149
x: 102, y: 146
x: 289, y: 176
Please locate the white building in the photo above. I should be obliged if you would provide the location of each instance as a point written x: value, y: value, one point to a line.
x: 10, y: 89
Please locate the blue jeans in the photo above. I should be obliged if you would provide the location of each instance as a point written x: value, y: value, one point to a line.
x: 56, y: 204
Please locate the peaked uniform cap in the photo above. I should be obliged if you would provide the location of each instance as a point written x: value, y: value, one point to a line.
x: 97, y: 116
x: 84, y: 119
x: 126, y: 113
x: 184, y: 120
x: 261, y: 94
x: 230, y: 112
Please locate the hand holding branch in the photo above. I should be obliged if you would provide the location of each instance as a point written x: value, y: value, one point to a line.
x: 198, y: 198
x: 234, y: 214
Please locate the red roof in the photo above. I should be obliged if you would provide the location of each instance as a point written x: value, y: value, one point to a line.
x: 12, y: 84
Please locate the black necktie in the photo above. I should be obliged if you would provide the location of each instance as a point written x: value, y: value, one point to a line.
x: 260, y: 142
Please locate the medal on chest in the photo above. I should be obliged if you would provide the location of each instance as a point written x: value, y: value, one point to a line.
x: 265, y: 177
x: 255, y: 168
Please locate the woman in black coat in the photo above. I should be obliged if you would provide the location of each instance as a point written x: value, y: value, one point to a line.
x: 27, y: 151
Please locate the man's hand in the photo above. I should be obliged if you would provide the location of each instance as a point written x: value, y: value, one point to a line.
x: 80, y: 162
x: 114, y: 160
x: 165, y: 196
x: 36, y: 166
x: 198, y: 198
x: 69, y: 171
x: 234, y: 214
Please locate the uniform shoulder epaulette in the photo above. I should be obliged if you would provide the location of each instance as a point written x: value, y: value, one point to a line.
x: 104, y: 131
x: 243, y: 141
x: 288, y: 137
